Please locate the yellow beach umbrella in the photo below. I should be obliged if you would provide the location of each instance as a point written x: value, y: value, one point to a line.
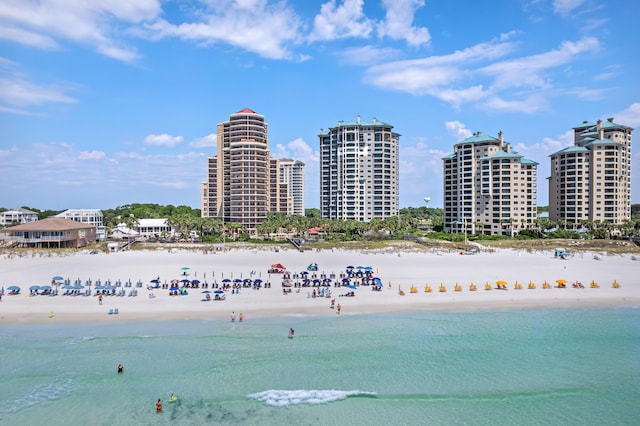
x: 561, y: 281
x: 501, y: 282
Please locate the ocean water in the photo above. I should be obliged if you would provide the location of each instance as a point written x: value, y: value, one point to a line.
x: 526, y: 367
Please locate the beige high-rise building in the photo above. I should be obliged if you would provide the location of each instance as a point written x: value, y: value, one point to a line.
x: 488, y: 188
x: 243, y: 181
x: 591, y: 180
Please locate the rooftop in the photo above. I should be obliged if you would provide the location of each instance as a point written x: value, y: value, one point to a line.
x: 51, y: 224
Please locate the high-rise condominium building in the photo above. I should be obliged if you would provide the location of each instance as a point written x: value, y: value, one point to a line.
x: 243, y: 181
x: 591, y: 180
x: 488, y: 187
x: 359, y: 171
x: 292, y: 174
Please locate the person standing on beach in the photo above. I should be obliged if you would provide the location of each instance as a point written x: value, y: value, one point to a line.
x: 233, y: 316
x: 240, y: 317
x: 100, y: 299
x: 338, y: 308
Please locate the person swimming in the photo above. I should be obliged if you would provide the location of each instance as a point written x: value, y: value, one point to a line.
x: 291, y: 333
x: 120, y: 368
x: 158, y: 406
x: 173, y: 398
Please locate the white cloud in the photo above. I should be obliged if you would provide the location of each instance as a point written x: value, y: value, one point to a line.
x: 526, y: 71
x: 398, y: 21
x: 629, y: 117
x: 15, y: 90
x: 457, y: 129
x: 43, y: 23
x: 162, y: 140
x: 433, y: 74
x: 457, y: 78
x: 366, y: 55
x: 209, y: 141
x: 54, y: 164
x: 91, y: 155
x: 255, y: 26
x: 341, y: 21
x: 297, y: 149
x: 565, y: 7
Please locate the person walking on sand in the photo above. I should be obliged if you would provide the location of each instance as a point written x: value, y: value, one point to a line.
x: 158, y: 406
x: 233, y: 316
x: 338, y: 308
x: 100, y: 299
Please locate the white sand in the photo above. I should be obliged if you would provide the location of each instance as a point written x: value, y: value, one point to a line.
x: 398, y: 268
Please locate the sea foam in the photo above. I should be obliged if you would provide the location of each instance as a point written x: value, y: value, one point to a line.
x: 281, y: 398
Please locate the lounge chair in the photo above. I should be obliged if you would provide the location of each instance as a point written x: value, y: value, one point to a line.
x: 115, y: 311
x: 110, y: 311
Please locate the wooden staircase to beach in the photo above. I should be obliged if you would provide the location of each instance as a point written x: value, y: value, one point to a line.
x: 297, y: 243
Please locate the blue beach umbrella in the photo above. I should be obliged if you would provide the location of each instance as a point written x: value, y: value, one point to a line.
x: 45, y: 287
x: 13, y: 288
x: 206, y: 291
x: 174, y: 288
x: 352, y: 287
x: 218, y: 292
x: 34, y: 288
x: 57, y: 278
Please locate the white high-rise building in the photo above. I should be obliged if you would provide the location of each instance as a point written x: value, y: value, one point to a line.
x: 292, y: 174
x: 359, y: 171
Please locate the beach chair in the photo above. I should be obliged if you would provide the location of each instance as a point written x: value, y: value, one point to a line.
x: 110, y: 311
x: 115, y: 311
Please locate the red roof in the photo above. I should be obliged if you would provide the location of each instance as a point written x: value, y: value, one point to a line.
x: 246, y: 111
x: 314, y: 231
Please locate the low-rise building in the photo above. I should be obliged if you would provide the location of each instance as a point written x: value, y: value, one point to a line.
x: 91, y: 216
x: 17, y: 216
x: 53, y: 232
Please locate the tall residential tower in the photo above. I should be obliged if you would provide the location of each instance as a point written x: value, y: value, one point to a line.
x: 359, y: 171
x: 591, y: 180
x: 488, y: 187
x: 243, y: 181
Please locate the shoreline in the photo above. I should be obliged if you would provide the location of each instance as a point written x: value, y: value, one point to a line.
x: 396, y: 269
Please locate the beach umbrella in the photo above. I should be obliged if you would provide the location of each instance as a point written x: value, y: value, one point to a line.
x: 155, y: 281
x: 206, y: 291
x: 561, y: 281
x: 218, y: 292
x: 352, y: 287
x: 68, y: 287
x: 100, y: 287
x: 57, y: 278
x: 34, y: 288
x: 195, y: 282
x: 78, y: 287
x: 45, y: 287
x: 174, y: 289
x: 226, y: 280
x: 185, y: 281
x: 13, y: 288
x: 185, y: 268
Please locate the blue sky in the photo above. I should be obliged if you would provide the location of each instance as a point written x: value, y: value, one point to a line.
x: 108, y: 103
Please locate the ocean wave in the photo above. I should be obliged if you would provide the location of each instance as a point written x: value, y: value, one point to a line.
x: 282, y: 398
x: 42, y: 393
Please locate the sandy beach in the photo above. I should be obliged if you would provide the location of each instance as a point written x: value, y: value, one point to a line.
x: 397, y: 269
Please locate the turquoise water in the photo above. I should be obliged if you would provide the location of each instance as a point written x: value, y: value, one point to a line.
x: 528, y: 367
